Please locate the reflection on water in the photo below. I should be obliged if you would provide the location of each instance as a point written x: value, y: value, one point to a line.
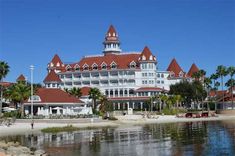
x: 191, y: 138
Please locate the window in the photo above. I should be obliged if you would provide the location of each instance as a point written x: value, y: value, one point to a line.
x: 162, y: 75
x: 172, y: 74
x: 113, y: 65
x: 158, y: 82
x: 158, y: 75
x: 58, y: 64
x: 53, y: 85
x: 34, y: 98
x: 85, y: 67
x: 68, y: 68
x: 132, y: 64
x: 181, y: 74
x: 142, y: 82
x: 76, y: 67
x: 162, y: 82
x: 95, y: 66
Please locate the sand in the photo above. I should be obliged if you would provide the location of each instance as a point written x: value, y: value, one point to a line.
x: 24, y: 126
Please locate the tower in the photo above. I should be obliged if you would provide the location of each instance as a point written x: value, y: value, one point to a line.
x: 111, y: 43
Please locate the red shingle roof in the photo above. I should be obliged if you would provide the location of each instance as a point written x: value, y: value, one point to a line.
x: 123, y: 61
x: 146, y: 55
x: 49, y: 95
x: 56, y: 59
x: 52, y: 77
x: 21, y: 78
x: 174, y: 67
x: 192, y: 70
x: 6, y: 84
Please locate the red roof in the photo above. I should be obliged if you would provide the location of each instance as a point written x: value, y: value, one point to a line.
x: 122, y: 61
x: 146, y: 55
x: 6, y: 84
x: 85, y: 91
x: 111, y: 34
x: 51, y: 95
x: 218, y: 93
x: 192, y: 70
x: 52, y: 77
x: 56, y: 59
x: 174, y: 67
x: 149, y: 89
x: 128, y: 98
x: 21, y: 78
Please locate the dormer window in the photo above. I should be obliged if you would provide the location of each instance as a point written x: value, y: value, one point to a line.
x: 35, y: 98
x: 151, y: 57
x: 68, y: 68
x: 113, y: 34
x: 172, y: 74
x: 132, y: 64
x: 77, y: 67
x: 95, y: 66
x: 103, y: 66
x: 52, y: 64
x: 113, y: 65
x: 85, y: 67
x: 58, y: 64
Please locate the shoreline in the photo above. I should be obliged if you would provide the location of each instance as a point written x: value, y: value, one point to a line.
x: 23, y: 126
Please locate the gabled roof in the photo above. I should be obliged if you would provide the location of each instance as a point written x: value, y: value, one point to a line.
x: 174, y: 67
x: 192, y: 70
x: 52, y: 77
x: 21, y: 78
x: 54, y: 95
x: 56, y: 59
x: 147, y: 55
x: 6, y: 84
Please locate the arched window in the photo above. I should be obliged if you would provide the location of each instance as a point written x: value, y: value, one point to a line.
x: 77, y: 67
x: 103, y: 66
x: 95, y: 66
x: 132, y: 64
x: 85, y: 67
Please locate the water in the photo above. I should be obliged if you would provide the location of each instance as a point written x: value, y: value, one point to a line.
x: 191, y: 138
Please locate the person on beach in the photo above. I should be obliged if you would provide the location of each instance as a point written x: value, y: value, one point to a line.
x: 32, y: 124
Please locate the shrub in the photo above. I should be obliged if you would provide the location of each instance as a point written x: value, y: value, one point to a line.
x: 15, y: 114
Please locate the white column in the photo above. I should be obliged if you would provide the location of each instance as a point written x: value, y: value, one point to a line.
x: 118, y: 105
x: 128, y: 105
x: 133, y: 105
x: 118, y: 92
x: 127, y: 92
x: 141, y: 105
x: 109, y: 92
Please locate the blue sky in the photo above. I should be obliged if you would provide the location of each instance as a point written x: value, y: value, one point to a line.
x: 32, y: 31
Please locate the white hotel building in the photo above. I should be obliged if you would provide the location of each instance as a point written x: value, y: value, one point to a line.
x: 127, y: 79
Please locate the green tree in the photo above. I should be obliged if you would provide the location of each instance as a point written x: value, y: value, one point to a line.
x: 229, y: 84
x: 75, y: 92
x: 231, y: 72
x: 221, y: 71
x: 4, y: 70
x: 105, y: 105
x: 94, y: 94
x: 17, y: 93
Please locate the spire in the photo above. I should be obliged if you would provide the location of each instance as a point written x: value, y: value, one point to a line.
x: 56, y: 64
x: 21, y: 78
x: 147, y: 55
x: 175, y: 68
x: 111, y: 43
x: 193, y: 69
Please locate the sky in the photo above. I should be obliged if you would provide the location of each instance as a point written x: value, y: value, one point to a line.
x: 192, y: 31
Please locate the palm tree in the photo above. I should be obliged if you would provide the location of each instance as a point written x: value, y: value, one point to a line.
x: 17, y: 93
x: 231, y: 72
x: 221, y: 72
x: 75, y: 92
x: 163, y: 98
x: 4, y: 70
x: 94, y: 94
x: 178, y: 99
x: 229, y: 84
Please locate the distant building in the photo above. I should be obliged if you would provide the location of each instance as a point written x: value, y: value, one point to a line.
x: 126, y: 78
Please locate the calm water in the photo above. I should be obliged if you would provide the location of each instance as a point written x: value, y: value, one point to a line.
x: 191, y: 138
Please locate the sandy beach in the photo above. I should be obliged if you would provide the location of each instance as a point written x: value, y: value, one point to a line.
x: 24, y: 126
